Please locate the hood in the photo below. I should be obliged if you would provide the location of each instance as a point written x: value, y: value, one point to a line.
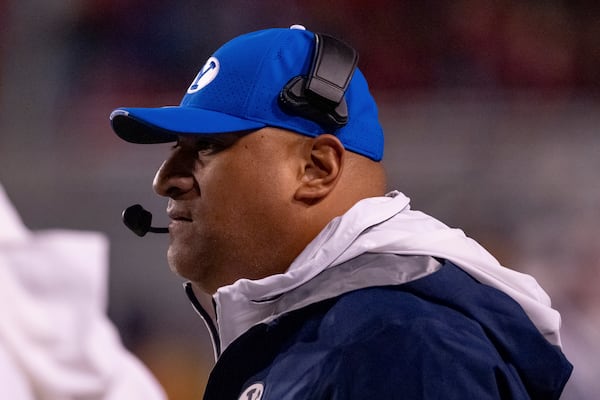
x: 54, y: 329
x: 384, y: 225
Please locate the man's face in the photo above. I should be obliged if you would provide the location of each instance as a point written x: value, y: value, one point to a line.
x: 228, y: 198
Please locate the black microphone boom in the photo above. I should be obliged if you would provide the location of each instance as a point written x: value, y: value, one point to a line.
x: 139, y: 220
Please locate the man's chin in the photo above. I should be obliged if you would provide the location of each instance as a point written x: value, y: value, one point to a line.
x: 178, y: 264
x: 184, y: 266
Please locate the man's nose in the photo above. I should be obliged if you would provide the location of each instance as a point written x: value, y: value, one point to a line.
x: 174, y: 178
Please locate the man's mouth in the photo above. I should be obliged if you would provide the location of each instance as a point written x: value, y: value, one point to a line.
x: 179, y: 216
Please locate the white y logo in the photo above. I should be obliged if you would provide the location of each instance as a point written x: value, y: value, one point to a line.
x: 253, y: 392
x: 206, y: 75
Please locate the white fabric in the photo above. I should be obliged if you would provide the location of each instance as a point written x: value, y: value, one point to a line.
x: 11, y: 227
x: 384, y: 225
x: 56, y: 341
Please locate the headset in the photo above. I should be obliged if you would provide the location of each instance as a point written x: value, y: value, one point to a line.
x: 318, y: 97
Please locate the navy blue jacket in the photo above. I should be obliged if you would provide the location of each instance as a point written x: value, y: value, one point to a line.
x: 445, y: 336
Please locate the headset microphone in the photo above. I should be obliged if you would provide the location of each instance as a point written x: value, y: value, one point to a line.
x: 138, y: 220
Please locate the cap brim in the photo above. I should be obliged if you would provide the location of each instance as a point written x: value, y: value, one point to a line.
x: 162, y: 125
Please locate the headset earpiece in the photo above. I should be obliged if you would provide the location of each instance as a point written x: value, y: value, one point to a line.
x: 320, y: 96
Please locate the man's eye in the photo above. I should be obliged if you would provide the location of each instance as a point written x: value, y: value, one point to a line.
x: 199, y: 146
x: 203, y: 147
x: 207, y: 145
x: 207, y: 148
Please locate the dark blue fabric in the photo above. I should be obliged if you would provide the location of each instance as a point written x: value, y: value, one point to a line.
x: 444, y: 336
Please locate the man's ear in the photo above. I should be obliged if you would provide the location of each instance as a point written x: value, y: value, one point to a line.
x: 322, y: 168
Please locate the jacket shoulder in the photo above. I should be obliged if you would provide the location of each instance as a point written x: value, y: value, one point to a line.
x: 386, y: 342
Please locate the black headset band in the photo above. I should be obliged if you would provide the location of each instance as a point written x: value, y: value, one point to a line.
x: 332, y: 69
x: 320, y: 95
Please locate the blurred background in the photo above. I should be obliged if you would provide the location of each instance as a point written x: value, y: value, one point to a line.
x: 491, y: 110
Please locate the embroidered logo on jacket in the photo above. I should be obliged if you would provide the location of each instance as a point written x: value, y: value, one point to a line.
x: 253, y: 392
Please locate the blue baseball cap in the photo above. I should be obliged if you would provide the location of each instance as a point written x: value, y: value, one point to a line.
x: 238, y: 88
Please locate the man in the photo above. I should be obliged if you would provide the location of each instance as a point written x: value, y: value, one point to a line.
x: 323, y: 286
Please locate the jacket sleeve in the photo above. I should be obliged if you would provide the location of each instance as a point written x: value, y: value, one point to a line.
x: 423, y: 359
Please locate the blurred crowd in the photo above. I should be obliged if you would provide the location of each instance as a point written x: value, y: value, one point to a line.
x: 403, y: 44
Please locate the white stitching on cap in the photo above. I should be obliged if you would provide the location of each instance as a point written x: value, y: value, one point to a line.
x: 117, y: 113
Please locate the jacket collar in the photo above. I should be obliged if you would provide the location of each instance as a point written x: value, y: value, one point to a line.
x: 247, y: 302
x: 381, y: 225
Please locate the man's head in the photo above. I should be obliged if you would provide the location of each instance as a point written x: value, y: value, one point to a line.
x: 251, y: 181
